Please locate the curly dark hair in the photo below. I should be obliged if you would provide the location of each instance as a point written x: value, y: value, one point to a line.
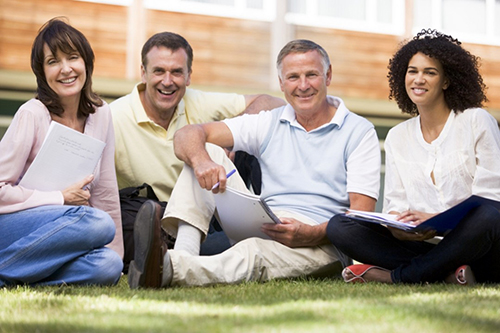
x: 466, y: 88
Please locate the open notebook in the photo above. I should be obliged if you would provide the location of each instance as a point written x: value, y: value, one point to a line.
x: 442, y: 223
x: 242, y: 214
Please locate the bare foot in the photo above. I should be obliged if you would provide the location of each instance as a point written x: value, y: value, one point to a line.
x: 373, y: 274
x: 463, y: 275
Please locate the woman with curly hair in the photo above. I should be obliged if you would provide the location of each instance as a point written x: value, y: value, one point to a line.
x: 447, y: 152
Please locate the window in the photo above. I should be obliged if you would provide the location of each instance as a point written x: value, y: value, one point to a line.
x: 245, y: 9
x: 112, y: 2
x: 475, y: 21
x: 497, y: 16
x: 379, y: 16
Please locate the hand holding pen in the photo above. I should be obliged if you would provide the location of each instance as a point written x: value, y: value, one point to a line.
x: 230, y: 173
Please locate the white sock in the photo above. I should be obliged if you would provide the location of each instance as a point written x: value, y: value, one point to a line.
x: 167, y: 271
x: 188, y: 239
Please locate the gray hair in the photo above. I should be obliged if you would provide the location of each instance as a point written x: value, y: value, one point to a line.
x: 301, y: 46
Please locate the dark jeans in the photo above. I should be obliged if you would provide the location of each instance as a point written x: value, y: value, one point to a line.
x: 475, y: 242
x: 216, y: 241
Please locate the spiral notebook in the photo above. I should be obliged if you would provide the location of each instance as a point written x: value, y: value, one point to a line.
x: 242, y: 214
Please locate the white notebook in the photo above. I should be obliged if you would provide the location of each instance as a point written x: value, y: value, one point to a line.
x: 242, y: 214
x: 66, y: 157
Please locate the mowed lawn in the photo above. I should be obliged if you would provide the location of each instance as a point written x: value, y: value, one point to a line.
x: 326, y: 305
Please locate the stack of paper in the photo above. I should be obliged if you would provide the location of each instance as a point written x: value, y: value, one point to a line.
x: 66, y: 157
x: 442, y: 223
x: 380, y: 218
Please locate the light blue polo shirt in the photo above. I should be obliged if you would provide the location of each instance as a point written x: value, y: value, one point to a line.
x: 311, y: 173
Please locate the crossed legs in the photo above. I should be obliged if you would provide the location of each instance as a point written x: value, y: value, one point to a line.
x: 52, y: 245
x: 475, y: 242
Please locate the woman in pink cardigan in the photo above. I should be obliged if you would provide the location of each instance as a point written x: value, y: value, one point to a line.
x: 59, y: 237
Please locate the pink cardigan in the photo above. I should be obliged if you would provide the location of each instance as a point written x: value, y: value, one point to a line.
x: 21, y: 143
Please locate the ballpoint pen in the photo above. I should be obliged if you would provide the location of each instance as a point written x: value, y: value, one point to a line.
x: 227, y: 176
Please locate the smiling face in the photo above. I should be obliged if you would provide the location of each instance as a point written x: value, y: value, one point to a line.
x: 65, y: 74
x: 425, y: 81
x: 304, y: 81
x: 166, y: 77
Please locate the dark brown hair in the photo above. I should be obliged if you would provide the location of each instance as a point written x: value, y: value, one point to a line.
x: 169, y: 40
x: 58, y: 35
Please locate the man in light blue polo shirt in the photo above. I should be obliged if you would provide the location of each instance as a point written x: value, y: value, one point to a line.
x: 318, y: 159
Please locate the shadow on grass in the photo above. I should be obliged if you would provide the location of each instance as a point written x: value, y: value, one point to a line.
x: 288, y: 305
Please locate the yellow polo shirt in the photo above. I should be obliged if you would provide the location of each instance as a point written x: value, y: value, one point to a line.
x: 144, y: 151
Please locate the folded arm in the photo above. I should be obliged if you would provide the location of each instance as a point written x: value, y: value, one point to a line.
x: 189, y: 147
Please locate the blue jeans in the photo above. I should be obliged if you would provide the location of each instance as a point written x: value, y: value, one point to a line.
x: 52, y: 245
x: 475, y: 242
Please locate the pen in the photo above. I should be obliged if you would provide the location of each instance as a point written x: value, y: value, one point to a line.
x: 227, y: 176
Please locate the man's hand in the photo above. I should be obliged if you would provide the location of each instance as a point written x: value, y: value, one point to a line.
x: 77, y: 194
x: 208, y: 174
x: 257, y: 103
x: 294, y: 233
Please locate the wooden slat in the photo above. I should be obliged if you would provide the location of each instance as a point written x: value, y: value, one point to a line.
x: 229, y: 53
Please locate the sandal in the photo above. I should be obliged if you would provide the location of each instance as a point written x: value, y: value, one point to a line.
x: 463, y: 275
x: 358, y: 271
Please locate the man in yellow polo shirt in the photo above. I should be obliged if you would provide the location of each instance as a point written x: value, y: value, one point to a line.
x: 146, y: 119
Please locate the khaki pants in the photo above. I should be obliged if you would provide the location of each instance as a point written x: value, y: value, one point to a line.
x: 253, y: 259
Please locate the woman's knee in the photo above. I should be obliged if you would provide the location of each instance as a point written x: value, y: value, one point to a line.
x: 108, y: 267
x: 491, y: 213
x: 99, y: 227
x: 335, y: 230
x: 90, y: 226
x: 485, y: 217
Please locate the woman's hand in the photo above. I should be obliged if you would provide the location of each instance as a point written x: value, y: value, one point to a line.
x: 413, y: 217
x: 411, y: 236
x: 77, y: 194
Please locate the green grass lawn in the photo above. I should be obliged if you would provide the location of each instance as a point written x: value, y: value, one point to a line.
x: 277, y: 306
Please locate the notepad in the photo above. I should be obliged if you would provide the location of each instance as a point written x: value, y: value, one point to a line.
x: 241, y: 215
x: 66, y: 157
x: 380, y: 218
x: 442, y: 223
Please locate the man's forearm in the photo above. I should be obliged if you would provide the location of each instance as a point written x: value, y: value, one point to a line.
x: 257, y: 103
x: 320, y: 237
x: 189, y: 144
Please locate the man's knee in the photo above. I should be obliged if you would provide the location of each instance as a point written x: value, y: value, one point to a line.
x: 252, y: 249
x: 217, y: 154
